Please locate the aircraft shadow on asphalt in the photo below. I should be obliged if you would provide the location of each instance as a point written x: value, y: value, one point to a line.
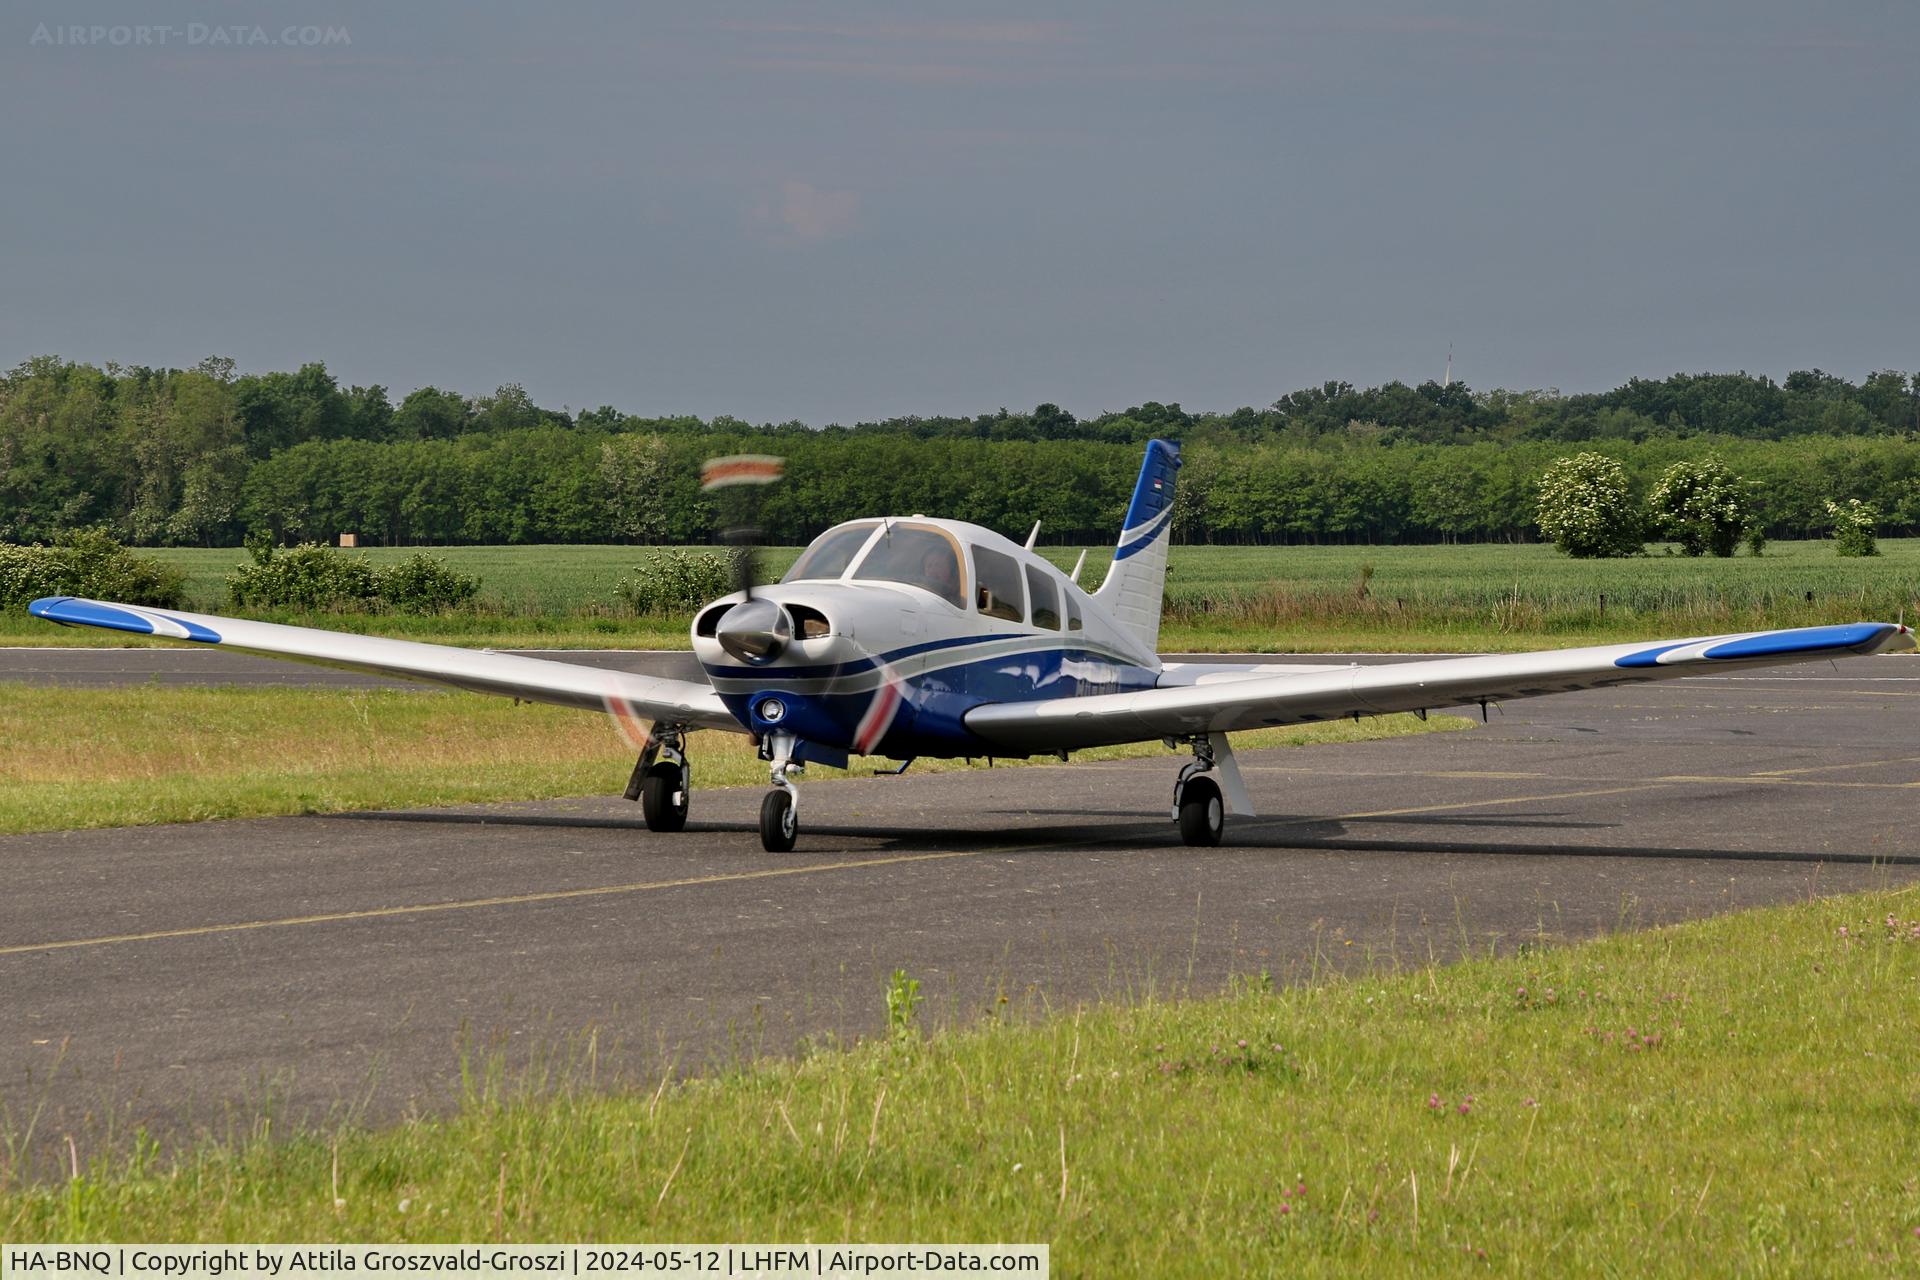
x: 1276, y: 834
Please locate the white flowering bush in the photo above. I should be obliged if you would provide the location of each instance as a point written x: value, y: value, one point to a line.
x: 1585, y: 508
x: 1700, y: 505
x: 677, y: 580
x: 1854, y: 523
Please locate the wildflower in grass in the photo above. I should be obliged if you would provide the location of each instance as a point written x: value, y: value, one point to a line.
x: 1433, y: 1102
x: 1529, y: 1102
x: 1466, y: 1105
x: 1285, y: 1207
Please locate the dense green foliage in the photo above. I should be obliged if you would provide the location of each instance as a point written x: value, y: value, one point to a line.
x: 200, y: 456
x: 1854, y: 523
x: 314, y: 577
x: 1586, y: 507
x: 673, y: 580
x: 86, y: 562
x: 1702, y: 506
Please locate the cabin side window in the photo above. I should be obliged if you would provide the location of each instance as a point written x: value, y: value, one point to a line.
x: 1074, y: 622
x: 996, y: 585
x: 1046, y: 600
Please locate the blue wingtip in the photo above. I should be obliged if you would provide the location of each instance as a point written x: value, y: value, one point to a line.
x: 91, y: 613
x: 1852, y: 637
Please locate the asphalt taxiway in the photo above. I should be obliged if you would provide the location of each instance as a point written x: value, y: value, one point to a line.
x: 184, y: 976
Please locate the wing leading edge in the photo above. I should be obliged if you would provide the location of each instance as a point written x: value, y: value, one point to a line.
x: 1300, y: 695
x: 567, y: 684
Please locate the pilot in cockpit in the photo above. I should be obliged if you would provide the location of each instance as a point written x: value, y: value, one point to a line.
x: 938, y: 572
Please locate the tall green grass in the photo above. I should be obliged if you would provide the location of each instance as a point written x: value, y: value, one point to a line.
x: 1732, y: 1097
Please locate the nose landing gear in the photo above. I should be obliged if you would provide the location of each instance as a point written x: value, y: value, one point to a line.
x: 780, y: 810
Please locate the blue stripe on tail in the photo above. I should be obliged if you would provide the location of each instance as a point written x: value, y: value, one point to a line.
x: 1153, y: 492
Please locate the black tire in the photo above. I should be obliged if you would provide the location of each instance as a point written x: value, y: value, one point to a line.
x: 1203, y: 815
x: 779, y: 824
x: 657, y: 791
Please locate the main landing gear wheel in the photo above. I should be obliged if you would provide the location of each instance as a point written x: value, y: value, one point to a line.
x: 1203, y: 816
x: 663, y: 798
x: 779, y: 823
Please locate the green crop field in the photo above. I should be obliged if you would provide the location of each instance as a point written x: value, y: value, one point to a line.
x: 1461, y: 597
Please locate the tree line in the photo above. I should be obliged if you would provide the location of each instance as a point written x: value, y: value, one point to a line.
x: 205, y: 455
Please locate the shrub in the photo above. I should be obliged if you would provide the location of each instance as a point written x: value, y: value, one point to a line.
x: 424, y: 584
x: 676, y: 580
x: 308, y: 576
x: 1585, y: 508
x: 87, y: 562
x: 1700, y: 505
x: 1853, y: 527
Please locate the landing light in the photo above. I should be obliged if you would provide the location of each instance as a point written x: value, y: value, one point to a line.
x: 772, y: 710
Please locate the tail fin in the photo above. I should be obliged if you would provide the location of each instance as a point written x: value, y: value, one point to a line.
x: 1137, y: 581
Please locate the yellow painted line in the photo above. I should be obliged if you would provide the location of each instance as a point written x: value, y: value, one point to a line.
x: 650, y: 886
x: 1495, y: 775
x: 1483, y: 804
x: 508, y: 900
x: 1829, y: 768
x: 1750, y: 779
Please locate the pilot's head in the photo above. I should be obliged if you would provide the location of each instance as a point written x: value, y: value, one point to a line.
x: 936, y: 567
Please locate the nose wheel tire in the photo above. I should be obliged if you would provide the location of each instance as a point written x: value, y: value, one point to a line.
x: 1203, y: 816
x: 779, y: 824
x: 663, y: 798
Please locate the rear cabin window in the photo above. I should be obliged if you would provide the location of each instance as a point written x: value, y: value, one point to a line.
x: 830, y: 553
x: 1073, y: 614
x: 1045, y: 600
x: 996, y: 585
x: 924, y: 558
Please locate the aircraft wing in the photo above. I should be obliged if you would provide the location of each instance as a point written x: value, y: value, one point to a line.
x: 567, y: 684
x: 1295, y: 695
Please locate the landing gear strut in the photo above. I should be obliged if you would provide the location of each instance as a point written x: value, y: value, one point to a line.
x: 659, y: 781
x: 1207, y: 787
x: 780, y: 811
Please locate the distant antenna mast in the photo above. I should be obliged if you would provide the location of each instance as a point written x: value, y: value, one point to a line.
x: 1449, y: 378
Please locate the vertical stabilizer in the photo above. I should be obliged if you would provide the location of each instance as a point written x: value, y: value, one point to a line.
x: 1137, y: 581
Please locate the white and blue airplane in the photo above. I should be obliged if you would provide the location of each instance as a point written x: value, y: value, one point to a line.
x: 910, y: 636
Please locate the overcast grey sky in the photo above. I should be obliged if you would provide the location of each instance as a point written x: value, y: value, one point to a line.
x: 837, y: 211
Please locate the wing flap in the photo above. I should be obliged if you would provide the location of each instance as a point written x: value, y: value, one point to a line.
x: 1303, y: 695
x: 566, y: 684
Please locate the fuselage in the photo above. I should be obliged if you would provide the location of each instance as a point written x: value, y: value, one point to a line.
x: 938, y: 616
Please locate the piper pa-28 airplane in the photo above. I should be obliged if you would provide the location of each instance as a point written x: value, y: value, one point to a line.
x: 910, y: 637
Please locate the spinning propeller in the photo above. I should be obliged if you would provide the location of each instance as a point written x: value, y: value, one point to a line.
x: 763, y: 627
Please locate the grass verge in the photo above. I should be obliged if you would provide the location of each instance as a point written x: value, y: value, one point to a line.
x: 1728, y: 1097
x: 77, y: 758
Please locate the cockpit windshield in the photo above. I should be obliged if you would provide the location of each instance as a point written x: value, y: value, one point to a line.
x: 918, y: 557
x: 831, y: 552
